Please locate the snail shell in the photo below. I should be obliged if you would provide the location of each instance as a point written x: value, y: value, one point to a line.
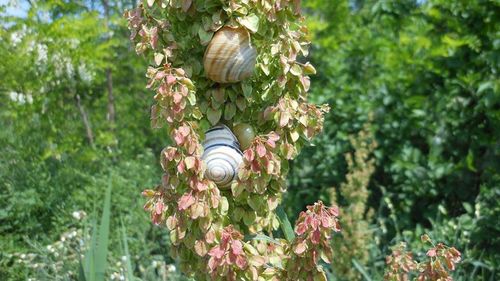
x: 230, y: 56
x: 222, y: 155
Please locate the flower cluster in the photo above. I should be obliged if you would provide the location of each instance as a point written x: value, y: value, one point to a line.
x: 441, y: 261
x: 313, y: 229
x: 399, y: 264
x: 173, y: 95
x: 228, y: 255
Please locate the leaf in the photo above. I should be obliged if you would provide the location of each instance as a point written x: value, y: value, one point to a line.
x: 171, y: 79
x: 159, y: 58
x: 261, y: 150
x: 205, y: 36
x: 186, y: 4
x: 247, y: 89
x: 309, y: 69
x: 213, y: 115
x: 241, y: 103
x: 249, y: 218
x: 484, y: 86
x: 186, y: 201
x: 470, y: 161
x: 361, y: 270
x: 285, y: 225
x: 189, y: 161
x: 200, y: 247
x: 192, y: 99
x: 151, y: 2
x: 300, y: 247
x: 101, y: 252
x: 296, y: 70
x: 251, y: 22
x: 237, y: 188
x: 229, y: 111
x: 81, y: 271
x: 126, y: 253
x: 224, y: 205
x: 294, y: 135
x: 284, y: 118
x: 254, y: 202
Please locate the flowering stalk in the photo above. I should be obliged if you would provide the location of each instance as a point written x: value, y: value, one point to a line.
x: 441, y: 261
x: 313, y: 229
x: 207, y: 223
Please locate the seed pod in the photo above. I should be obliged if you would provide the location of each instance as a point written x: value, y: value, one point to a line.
x: 230, y: 56
x: 245, y: 134
x: 222, y: 155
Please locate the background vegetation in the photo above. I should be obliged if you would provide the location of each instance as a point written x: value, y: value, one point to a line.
x: 411, y: 144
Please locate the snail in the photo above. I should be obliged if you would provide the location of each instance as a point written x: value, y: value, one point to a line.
x: 230, y: 56
x: 222, y: 155
x: 245, y: 134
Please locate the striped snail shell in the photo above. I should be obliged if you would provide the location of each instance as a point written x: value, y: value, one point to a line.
x: 222, y: 155
x: 230, y: 56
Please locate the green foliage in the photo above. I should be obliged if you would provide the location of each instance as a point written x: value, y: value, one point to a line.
x: 95, y: 260
x: 428, y: 72
x: 54, y: 63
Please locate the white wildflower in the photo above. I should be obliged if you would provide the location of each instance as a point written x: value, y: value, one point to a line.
x: 79, y: 215
x: 171, y: 268
x: 42, y: 55
x: 85, y: 74
x: 16, y: 37
x: 13, y: 96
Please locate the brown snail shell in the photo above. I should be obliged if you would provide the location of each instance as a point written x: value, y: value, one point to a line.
x: 230, y: 56
x: 245, y: 134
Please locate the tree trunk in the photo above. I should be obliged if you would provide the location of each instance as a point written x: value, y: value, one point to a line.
x: 109, y: 75
x: 85, y: 119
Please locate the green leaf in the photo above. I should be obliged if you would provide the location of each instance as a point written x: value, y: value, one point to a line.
x: 213, y: 115
x: 81, y: 271
x: 470, y: 161
x: 255, y: 202
x: 247, y: 90
x: 192, y: 99
x: 126, y: 253
x: 224, y: 205
x: 285, y: 225
x: 249, y: 217
x: 361, y: 270
x: 229, y: 111
x: 101, y: 253
x: 296, y: 70
x: 205, y: 36
x: 251, y: 22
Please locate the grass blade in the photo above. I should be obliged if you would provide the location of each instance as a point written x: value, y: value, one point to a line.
x: 128, y: 263
x: 285, y: 225
x: 81, y: 272
x: 360, y: 268
x: 88, y: 261
x: 101, y: 252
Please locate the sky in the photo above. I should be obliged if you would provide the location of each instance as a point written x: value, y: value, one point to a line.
x: 15, y: 7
